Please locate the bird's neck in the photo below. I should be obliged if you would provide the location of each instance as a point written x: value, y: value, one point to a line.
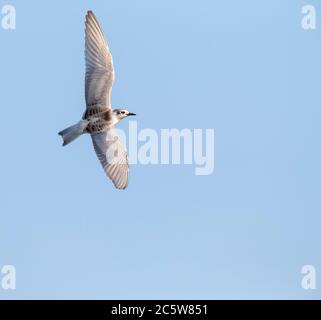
x: 114, y: 119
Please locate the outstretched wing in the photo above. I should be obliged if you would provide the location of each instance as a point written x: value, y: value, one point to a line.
x: 112, y: 156
x: 99, y: 65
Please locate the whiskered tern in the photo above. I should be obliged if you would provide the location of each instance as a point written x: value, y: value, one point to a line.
x: 99, y: 118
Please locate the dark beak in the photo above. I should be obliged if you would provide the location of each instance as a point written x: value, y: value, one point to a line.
x: 131, y: 114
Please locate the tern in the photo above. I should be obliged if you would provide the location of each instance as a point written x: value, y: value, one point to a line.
x: 99, y: 118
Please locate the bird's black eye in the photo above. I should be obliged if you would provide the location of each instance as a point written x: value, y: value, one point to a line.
x: 122, y: 112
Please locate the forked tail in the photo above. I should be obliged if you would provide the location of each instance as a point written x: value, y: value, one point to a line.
x: 71, y: 133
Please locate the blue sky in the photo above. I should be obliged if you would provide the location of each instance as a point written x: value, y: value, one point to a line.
x: 244, y: 68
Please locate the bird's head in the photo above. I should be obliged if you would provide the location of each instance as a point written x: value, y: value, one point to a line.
x: 119, y: 114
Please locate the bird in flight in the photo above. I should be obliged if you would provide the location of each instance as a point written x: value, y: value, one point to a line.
x: 99, y: 118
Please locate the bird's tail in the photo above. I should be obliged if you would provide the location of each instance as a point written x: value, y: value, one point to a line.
x: 71, y: 133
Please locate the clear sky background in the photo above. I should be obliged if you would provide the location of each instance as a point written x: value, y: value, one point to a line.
x: 246, y: 69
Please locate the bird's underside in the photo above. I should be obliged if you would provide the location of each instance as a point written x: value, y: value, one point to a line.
x: 98, y: 84
x: 97, y: 119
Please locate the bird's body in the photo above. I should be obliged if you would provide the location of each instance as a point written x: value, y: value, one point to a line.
x: 99, y: 118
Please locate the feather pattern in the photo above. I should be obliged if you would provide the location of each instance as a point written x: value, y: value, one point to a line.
x: 99, y: 119
x: 112, y: 156
x: 99, y: 66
